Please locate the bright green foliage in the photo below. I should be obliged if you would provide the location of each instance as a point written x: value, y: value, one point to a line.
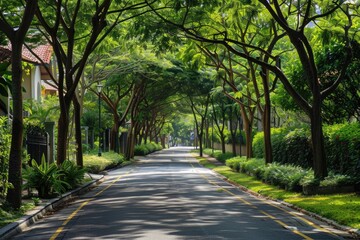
x: 45, y: 178
x: 72, y: 174
x: 342, y: 104
x: 292, y: 146
x: 144, y: 149
x: 5, y: 140
x: 95, y: 164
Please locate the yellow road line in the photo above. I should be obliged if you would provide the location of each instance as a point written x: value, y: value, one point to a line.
x: 304, y: 220
x: 266, y: 214
x: 286, y: 226
x: 73, y: 214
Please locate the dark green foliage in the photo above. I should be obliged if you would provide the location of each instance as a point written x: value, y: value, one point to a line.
x: 292, y: 146
x: 144, y: 149
x: 45, y: 178
x: 5, y: 141
x: 341, y: 105
x: 343, y: 148
x: 72, y: 174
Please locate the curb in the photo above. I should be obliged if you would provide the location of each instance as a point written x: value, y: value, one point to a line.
x: 31, y: 217
x: 354, y: 232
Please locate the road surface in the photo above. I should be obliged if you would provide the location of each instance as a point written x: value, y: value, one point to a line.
x: 168, y: 195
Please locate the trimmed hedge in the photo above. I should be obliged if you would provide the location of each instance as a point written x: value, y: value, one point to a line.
x: 144, y: 149
x: 293, y: 146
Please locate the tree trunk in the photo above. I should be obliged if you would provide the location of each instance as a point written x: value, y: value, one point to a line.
x: 267, y: 134
x: 266, y: 118
x: 233, y: 132
x: 222, y: 137
x: 63, y: 128
x: 114, y: 142
x: 13, y: 196
x: 78, y: 136
x: 248, y: 131
x: 317, y: 137
x: 200, y: 144
x: 129, y: 144
x: 248, y: 135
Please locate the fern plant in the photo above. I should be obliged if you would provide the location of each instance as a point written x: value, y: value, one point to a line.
x: 45, y: 178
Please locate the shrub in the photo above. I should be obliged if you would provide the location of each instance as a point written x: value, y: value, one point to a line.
x: 45, y: 178
x: 332, y: 180
x: 72, y: 174
x: 144, y: 149
x: 284, y: 176
x: 141, y: 150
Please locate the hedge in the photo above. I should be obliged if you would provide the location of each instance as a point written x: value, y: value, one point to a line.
x: 293, y: 146
x: 144, y: 149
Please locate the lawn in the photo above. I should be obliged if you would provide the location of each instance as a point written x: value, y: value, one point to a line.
x: 342, y: 208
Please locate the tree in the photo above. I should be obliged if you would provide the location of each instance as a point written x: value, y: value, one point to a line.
x: 15, y: 30
x: 293, y: 19
x: 78, y: 25
x: 219, y: 116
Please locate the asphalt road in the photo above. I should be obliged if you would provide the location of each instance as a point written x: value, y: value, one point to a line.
x: 169, y: 196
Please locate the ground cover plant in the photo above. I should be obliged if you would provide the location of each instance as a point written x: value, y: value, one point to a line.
x: 338, y: 207
x: 9, y: 215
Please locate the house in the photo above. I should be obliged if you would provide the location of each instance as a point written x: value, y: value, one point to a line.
x: 39, y: 65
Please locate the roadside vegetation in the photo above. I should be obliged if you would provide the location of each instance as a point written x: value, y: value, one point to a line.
x: 339, y: 207
x: 276, y: 80
x: 44, y: 181
x: 146, y: 148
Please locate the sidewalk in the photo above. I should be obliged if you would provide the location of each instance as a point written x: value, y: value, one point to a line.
x: 32, y: 216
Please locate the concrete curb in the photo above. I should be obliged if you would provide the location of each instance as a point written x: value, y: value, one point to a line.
x: 32, y: 216
x: 352, y: 231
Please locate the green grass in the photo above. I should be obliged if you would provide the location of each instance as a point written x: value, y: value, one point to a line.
x: 342, y: 208
x: 8, y: 216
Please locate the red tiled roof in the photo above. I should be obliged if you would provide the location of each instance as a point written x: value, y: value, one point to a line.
x: 5, y: 54
x: 42, y: 51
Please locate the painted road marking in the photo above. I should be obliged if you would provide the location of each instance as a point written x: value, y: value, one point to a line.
x: 73, y: 214
x: 255, y: 207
